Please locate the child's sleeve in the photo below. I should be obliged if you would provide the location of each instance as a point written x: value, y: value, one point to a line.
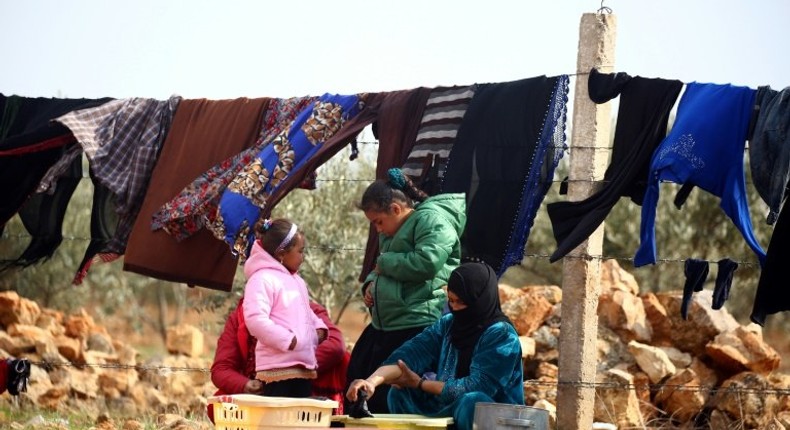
x: 433, y: 243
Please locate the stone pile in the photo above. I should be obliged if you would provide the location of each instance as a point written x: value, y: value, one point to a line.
x: 78, y: 366
x: 656, y: 369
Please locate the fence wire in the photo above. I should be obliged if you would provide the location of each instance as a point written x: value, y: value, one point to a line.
x: 710, y: 389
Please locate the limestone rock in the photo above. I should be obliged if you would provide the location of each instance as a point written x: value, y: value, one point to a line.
x: 617, y: 404
x: 741, y: 349
x: 17, y: 310
x: 743, y: 397
x: 614, y: 278
x: 624, y: 313
x: 703, y: 324
x: 185, y: 339
x: 527, y: 310
x: 527, y: 346
x: 653, y: 361
x: 680, y: 396
x: 79, y: 324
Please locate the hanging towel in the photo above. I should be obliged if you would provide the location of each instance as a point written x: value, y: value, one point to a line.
x: 203, y: 133
x: 444, y: 112
x: 641, y: 126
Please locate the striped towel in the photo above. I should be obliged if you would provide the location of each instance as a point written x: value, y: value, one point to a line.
x: 444, y: 112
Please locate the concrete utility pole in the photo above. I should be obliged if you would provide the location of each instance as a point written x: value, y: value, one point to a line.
x: 581, y: 273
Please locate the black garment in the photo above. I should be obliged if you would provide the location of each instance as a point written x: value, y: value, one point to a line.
x: 18, y: 375
x: 772, y: 294
x: 104, y: 223
x: 503, y: 159
x: 696, y: 272
x: 721, y: 292
x: 641, y: 126
x: 42, y: 215
x: 297, y: 387
x: 769, y: 148
x: 476, y: 285
x: 26, y: 122
x: 371, y: 349
x: 359, y: 409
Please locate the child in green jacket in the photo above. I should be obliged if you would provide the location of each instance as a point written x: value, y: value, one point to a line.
x: 419, y: 246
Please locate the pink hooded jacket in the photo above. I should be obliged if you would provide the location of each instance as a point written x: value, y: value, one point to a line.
x: 277, y: 308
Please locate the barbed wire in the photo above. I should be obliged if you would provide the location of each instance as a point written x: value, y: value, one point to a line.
x: 731, y: 389
x: 743, y: 262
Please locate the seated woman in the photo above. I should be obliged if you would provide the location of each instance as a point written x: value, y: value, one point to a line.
x: 233, y: 370
x: 474, y: 351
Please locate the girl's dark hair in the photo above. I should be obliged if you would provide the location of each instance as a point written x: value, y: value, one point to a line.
x: 397, y: 188
x: 273, y: 232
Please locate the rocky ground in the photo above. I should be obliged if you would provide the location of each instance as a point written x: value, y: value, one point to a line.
x: 654, y: 368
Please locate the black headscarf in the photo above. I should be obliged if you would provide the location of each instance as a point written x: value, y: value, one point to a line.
x: 476, y: 285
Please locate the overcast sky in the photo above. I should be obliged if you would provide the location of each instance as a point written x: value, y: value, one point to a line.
x: 234, y: 48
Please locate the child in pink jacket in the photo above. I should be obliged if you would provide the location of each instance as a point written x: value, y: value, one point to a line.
x: 277, y: 312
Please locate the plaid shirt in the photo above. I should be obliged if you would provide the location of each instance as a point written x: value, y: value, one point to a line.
x: 122, y: 139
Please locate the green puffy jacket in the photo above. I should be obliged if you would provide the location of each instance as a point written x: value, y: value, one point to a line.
x: 415, y: 263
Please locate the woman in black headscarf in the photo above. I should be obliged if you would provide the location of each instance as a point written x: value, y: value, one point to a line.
x: 470, y: 355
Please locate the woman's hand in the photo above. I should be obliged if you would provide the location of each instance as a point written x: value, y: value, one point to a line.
x: 359, y: 384
x: 322, y: 334
x: 407, y: 378
x: 253, y: 386
x: 368, y: 296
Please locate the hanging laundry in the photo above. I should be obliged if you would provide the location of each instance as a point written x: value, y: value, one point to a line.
x: 696, y: 271
x: 241, y: 203
x: 444, y: 112
x: 396, y: 124
x: 30, y: 143
x: 42, y: 216
x: 203, y: 134
x: 122, y: 140
x: 769, y: 148
x: 772, y: 295
x: 347, y: 134
x: 510, y: 141
x: 642, y: 119
x: 103, y: 227
x: 721, y: 290
x: 198, y: 202
x: 705, y: 148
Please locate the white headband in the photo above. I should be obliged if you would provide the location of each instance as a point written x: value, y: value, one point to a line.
x: 288, y: 238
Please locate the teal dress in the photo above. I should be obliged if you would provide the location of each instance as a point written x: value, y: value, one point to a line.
x: 495, y: 373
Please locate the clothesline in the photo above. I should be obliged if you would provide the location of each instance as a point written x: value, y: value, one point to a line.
x: 527, y: 255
